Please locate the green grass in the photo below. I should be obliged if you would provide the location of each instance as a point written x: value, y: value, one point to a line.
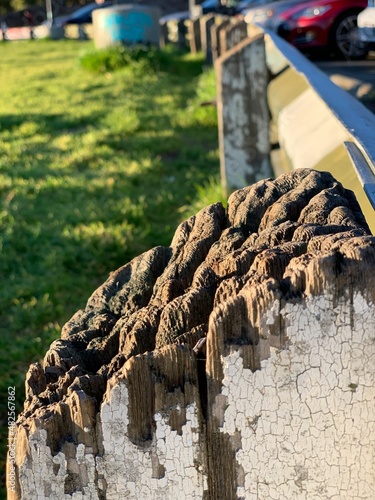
x: 95, y: 167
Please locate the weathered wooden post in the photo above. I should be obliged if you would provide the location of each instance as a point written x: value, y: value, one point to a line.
x: 243, y: 114
x: 194, y: 35
x: 232, y: 35
x: 237, y: 363
x: 181, y: 34
x: 164, y: 35
x: 206, y: 23
x: 216, y: 29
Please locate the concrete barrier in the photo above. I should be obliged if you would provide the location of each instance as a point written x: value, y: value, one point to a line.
x: 52, y: 32
x: 18, y: 33
x: 79, y: 31
x: 72, y: 31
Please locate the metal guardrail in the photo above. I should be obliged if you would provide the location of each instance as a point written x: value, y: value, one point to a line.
x: 358, y: 122
x: 355, y: 118
x: 352, y: 124
x: 364, y: 170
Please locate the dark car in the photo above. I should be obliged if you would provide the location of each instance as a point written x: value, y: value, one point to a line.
x: 319, y: 24
x: 82, y: 15
x: 267, y: 13
x: 214, y: 6
x: 207, y: 7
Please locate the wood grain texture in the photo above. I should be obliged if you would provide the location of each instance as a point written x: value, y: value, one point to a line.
x: 141, y: 397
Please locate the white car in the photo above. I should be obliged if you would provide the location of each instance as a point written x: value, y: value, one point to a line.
x: 366, y: 23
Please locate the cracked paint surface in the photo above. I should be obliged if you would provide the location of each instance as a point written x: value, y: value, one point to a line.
x: 163, y: 468
x: 175, y: 455
x: 307, y: 417
x: 47, y: 478
x: 243, y: 115
x: 302, y: 426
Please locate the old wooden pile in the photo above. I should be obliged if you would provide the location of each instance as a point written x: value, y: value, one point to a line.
x: 236, y: 363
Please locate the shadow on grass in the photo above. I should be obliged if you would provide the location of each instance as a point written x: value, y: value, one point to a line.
x: 66, y: 238
x: 47, y: 122
x: 68, y: 221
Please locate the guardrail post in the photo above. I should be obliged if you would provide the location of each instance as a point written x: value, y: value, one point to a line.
x: 243, y: 114
x: 206, y: 23
x: 241, y: 367
x: 181, y: 30
x: 216, y: 29
x: 232, y: 35
x: 194, y: 36
x: 164, y: 35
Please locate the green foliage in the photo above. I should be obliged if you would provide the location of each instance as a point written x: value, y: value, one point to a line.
x: 22, y: 4
x: 204, y: 108
x: 95, y: 168
x: 7, y: 6
x: 115, y: 58
x: 141, y: 59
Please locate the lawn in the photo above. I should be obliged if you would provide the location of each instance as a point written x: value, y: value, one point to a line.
x: 95, y: 168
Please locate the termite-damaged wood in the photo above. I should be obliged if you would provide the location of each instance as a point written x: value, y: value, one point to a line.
x: 146, y: 326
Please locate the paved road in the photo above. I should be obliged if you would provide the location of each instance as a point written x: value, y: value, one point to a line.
x: 357, y: 77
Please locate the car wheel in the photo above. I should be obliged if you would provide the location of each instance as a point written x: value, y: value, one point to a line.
x: 345, y: 38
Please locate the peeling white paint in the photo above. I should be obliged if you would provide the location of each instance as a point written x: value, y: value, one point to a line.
x: 243, y: 115
x: 125, y: 470
x: 307, y: 417
x: 303, y: 426
x: 47, y: 477
x: 177, y: 454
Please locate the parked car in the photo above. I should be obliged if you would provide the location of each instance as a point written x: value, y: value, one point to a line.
x: 28, y: 17
x: 215, y: 6
x: 82, y: 15
x: 171, y: 21
x: 366, y: 23
x: 267, y: 13
x: 313, y: 24
x: 207, y: 7
x: 244, y: 5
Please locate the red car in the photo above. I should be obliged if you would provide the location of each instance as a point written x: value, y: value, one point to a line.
x: 327, y: 24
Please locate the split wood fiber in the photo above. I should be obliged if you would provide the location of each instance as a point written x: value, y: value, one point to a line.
x: 237, y: 363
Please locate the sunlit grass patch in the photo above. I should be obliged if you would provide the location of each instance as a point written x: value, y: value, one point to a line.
x: 95, y: 168
x: 142, y: 60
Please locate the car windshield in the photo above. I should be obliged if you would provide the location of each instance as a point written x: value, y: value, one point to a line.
x: 209, y: 3
x: 87, y: 9
x: 248, y: 4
